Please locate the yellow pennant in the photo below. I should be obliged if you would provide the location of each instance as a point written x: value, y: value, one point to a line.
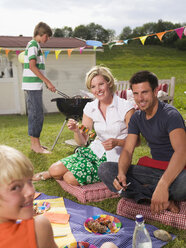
x: 143, y: 39
x: 57, y: 52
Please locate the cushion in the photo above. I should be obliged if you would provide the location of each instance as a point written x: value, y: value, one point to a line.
x: 122, y: 93
x: 163, y: 87
x: 88, y: 193
x: 149, y: 162
x: 129, y: 208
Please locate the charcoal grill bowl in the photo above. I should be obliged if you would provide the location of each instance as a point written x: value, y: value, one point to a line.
x: 71, y: 107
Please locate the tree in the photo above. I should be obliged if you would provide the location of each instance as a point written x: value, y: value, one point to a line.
x: 97, y: 32
x: 126, y: 33
x: 63, y: 32
x: 82, y: 32
x: 67, y: 31
x: 93, y: 32
x: 58, y: 32
x: 111, y: 34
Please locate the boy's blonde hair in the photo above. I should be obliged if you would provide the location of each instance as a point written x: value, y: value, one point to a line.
x: 42, y: 28
x: 103, y: 71
x: 14, y: 165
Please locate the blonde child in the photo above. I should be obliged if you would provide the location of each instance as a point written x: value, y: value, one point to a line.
x: 16, y: 203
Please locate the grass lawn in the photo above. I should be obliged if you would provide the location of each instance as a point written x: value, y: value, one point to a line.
x: 123, y: 61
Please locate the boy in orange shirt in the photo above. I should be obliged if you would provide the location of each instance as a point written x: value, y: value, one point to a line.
x: 16, y: 202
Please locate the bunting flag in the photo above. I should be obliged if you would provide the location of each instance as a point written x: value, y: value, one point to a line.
x: 143, y: 39
x: 7, y: 51
x: 94, y: 43
x: 160, y: 35
x: 179, y: 31
x: 69, y: 51
x: 81, y: 49
x: 111, y: 44
x: 57, y: 52
x: 46, y: 54
x: 18, y: 52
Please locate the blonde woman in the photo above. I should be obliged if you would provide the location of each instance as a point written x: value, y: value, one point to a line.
x: 109, y: 115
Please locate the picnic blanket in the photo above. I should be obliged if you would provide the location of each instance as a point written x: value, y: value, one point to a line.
x: 77, y: 232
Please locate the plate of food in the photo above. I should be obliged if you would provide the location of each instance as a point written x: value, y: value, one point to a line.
x: 41, y: 207
x: 80, y: 244
x: 102, y: 224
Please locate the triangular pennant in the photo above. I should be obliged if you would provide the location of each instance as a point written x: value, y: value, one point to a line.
x: 57, y: 52
x: 7, y: 51
x: 185, y: 31
x: 111, y: 44
x: 94, y: 47
x: 160, y: 35
x: 179, y: 32
x: 125, y: 41
x: 69, y: 51
x: 143, y: 39
x: 81, y: 49
x: 17, y: 52
x: 46, y: 54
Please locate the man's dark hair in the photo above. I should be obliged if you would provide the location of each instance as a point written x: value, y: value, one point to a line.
x: 144, y: 76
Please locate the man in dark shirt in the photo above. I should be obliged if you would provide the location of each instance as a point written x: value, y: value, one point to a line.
x: 164, y: 130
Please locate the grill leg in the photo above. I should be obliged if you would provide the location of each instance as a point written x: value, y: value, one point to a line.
x: 59, y: 134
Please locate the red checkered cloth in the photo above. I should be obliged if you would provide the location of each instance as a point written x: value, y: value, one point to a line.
x: 129, y: 208
x: 88, y: 193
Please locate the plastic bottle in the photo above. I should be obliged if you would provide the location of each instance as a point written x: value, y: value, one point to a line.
x: 141, y: 237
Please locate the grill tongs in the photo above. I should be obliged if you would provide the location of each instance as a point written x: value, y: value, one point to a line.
x: 62, y: 94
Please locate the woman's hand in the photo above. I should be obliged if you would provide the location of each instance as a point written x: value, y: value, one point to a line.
x: 109, y: 144
x: 72, y: 125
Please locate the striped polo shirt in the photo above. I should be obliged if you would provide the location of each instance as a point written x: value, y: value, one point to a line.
x: 30, y: 80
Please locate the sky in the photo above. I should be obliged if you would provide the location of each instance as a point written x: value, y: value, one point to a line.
x: 19, y: 17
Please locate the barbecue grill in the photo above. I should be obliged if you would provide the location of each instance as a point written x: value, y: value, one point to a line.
x: 71, y: 108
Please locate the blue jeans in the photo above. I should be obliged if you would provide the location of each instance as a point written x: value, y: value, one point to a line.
x: 35, y: 112
x: 143, y: 181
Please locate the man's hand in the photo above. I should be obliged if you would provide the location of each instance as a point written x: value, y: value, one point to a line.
x: 160, y: 199
x: 120, y: 182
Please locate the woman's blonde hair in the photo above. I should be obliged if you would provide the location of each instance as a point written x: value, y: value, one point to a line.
x: 14, y: 165
x: 103, y: 71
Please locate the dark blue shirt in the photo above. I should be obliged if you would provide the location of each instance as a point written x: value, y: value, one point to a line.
x: 156, y: 130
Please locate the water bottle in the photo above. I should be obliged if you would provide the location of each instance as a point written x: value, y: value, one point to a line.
x: 141, y: 237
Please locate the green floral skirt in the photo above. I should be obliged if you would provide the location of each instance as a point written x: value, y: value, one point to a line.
x: 84, y: 165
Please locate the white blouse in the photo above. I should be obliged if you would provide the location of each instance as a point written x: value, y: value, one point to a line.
x: 113, y: 127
